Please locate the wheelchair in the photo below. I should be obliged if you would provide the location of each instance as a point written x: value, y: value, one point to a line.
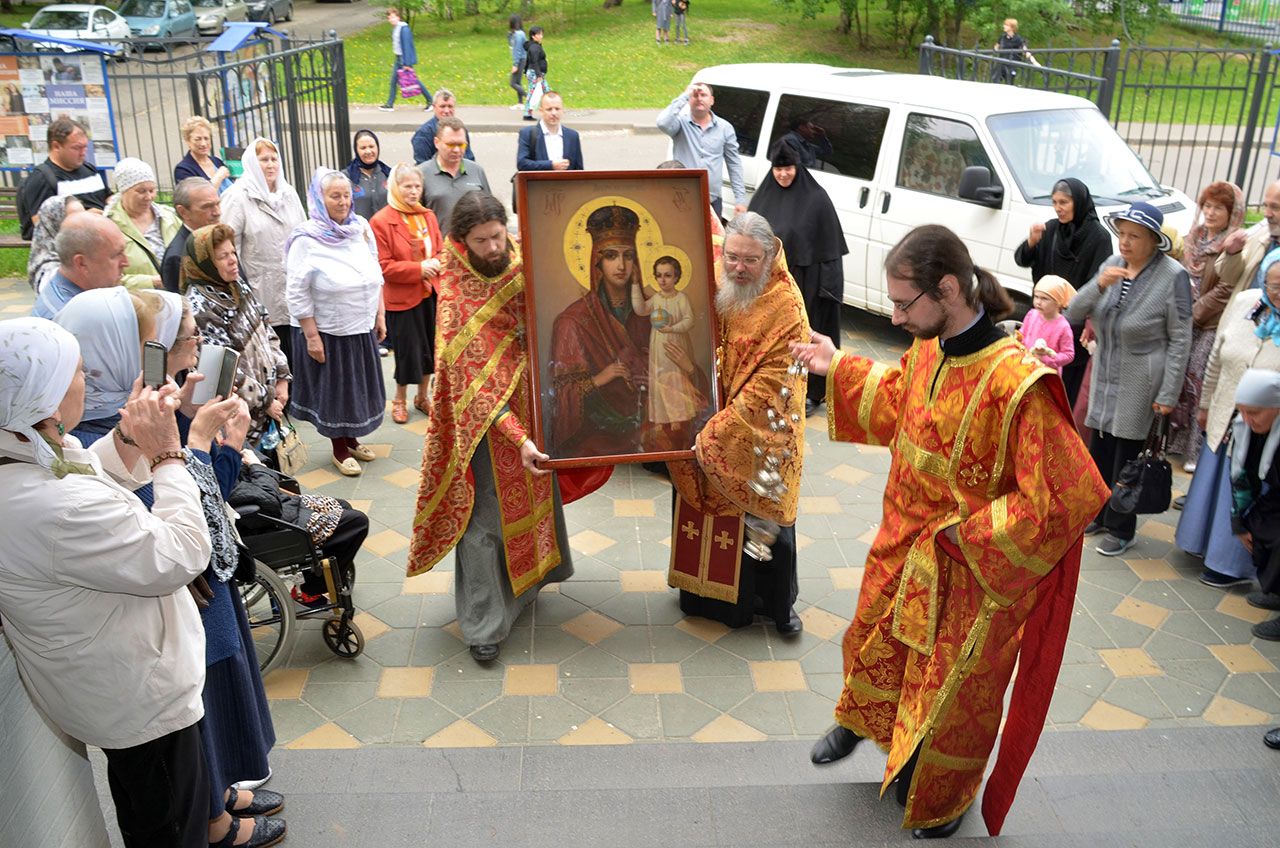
x: 281, y: 553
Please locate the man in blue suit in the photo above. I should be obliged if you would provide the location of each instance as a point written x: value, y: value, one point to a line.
x: 406, y: 55
x: 547, y: 145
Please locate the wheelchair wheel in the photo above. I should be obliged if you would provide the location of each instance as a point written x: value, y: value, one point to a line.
x: 271, y: 617
x: 343, y: 637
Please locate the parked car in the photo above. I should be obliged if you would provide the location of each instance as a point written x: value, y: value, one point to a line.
x: 212, y: 15
x: 898, y: 150
x: 82, y: 21
x: 270, y: 10
x: 160, y: 18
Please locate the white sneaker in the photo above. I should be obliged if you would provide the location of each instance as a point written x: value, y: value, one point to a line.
x: 1189, y: 467
x: 386, y: 108
x: 515, y: 106
x: 250, y: 785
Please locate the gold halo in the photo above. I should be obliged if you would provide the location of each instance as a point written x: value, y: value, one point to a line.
x: 577, y: 241
x: 648, y: 257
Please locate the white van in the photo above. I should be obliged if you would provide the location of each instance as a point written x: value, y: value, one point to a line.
x: 899, y: 150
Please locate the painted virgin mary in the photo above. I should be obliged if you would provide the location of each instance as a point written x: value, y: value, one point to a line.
x: 599, y: 349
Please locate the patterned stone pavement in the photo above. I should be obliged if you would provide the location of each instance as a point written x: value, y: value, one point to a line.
x: 608, y: 658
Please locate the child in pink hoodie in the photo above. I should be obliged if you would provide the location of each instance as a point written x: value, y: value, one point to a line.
x: 1045, y: 330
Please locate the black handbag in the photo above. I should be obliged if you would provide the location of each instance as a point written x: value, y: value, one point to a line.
x: 1145, y: 483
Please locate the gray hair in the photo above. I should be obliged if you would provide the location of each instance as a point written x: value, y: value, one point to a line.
x: 442, y: 94
x: 754, y: 226
x: 331, y: 177
x: 79, y: 236
x: 184, y: 192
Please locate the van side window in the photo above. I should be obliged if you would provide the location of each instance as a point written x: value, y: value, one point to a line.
x: 832, y: 136
x: 935, y: 151
x: 744, y: 109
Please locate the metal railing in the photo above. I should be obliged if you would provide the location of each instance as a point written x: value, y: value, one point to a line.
x: 1258, y: 18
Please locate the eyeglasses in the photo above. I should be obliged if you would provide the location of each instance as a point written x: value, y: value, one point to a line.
x: 455, y: 145
x: 748, y: 261
x: 903, y: 309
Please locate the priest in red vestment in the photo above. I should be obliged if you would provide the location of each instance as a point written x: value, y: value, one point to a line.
x: 974, y: 568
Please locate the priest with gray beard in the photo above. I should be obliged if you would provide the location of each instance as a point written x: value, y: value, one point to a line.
x: 761, y: 314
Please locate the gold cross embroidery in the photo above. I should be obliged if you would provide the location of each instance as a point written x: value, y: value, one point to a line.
x: 974, y: 476
x: 690, y: 531
x: 724, y: 540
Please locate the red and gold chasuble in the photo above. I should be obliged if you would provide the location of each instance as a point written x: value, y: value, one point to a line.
x: 482, y: 387
x: 712, y: 494
x: 986, y: 443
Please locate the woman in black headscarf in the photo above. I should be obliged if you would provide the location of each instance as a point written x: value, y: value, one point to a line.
x: 1072, y: 245
x: 368, y: 175
x: 804, y: 218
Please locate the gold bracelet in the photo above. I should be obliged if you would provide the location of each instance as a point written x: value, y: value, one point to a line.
x: 159, y: 458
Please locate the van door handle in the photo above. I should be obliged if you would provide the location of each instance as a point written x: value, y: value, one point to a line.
x: 864, y: 197
x: 884, y: 204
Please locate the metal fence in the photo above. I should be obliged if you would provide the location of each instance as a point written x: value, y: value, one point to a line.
x: 1194, y: 115
x: 1258, y: 18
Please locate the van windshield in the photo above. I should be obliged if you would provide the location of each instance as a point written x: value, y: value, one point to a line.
x: 1043, y: 147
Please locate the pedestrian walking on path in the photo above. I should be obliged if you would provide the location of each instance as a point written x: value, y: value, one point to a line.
x: 405, y: 55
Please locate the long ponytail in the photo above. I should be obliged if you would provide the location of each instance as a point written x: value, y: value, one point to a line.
x: 991, y: 294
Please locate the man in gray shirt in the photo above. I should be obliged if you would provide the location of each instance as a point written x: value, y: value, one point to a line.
x: 700, y: 139
x: 447, y: 176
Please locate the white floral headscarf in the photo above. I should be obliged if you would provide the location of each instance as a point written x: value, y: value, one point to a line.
x: 38, y: 361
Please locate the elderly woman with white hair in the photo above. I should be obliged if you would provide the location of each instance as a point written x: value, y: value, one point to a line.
x: 93, y: 585
x: 334, y: 294
x: 148, y: 227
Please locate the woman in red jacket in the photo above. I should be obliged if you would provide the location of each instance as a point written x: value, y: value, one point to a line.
x: 408, y: 240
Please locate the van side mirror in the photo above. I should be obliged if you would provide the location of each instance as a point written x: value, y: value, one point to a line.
x: 976, y: 185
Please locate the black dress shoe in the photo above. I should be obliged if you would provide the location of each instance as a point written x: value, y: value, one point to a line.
x: 941, y: 831
x: 791, y: 626
x: 484, y: 653
x: 1272, y: 738
x: 1263, y: 600
x: 836, y: 745
x: 265, y: 803
x: 1180, y: 501
x: 266, y: 832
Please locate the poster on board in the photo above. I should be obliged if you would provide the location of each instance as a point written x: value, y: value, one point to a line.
x: 35, y: 89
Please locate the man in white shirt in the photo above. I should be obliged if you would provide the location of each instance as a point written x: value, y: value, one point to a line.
x: 549, y: 145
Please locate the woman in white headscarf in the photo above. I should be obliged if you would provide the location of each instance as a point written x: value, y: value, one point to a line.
x: 263, y: 209
x: 1255, y: 485
x: 148, y: 226
x: 93, y: 586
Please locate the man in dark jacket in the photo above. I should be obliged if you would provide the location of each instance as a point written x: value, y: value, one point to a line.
x: 424, y: 138
x: 196, y: 201
x: 549, y: 145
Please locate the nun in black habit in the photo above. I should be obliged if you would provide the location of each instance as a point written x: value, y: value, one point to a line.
x: 1071, y: 245
x: 804, y: 218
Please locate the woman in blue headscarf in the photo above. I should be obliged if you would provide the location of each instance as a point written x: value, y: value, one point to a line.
x: 236, y: 732
x: 1248, y: 337
x: 334, y: 293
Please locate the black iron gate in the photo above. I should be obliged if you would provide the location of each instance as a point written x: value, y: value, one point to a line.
x: 296, y: 97
x: 1194, y: 115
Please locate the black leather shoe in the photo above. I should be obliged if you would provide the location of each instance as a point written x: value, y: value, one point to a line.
x: 941, y: 831
x: 484, y: 653
x: 1272, y: 738
x: 836, y: 745
x: 1269, y: 630
x: 264, y: 803
x: 266, y: 832
x: 791, y: 626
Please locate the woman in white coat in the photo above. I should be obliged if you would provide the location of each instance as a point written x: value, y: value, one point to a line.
x: 263, y: 209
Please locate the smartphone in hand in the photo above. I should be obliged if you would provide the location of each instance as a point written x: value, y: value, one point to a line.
x: 154, y: 357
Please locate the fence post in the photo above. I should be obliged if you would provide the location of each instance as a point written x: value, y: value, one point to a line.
x: 1255, y: 110
x: 926, y: 56
x: 290, y: 64
x: 340, y: 106
x: 1110, y: 70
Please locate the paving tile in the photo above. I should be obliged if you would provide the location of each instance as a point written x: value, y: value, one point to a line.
x: 326, y: 736
x: 285, y: 683
x: 1241, y: 658
x: 644, y: 581
x: 811, y: 713
x: 594, y: 694
x: 819, y: 505
x: 1251, y: 690
x: 714, y: 661
x: 703, y: 628
x: 402, y: 610
x: 370, y: 626
x: 292, y: 719
x: 1140, y: 612
x: 553, y: 645
x: 530, y: 680
x: 386, y: 542
x: 1225, y: 712
x: 847, y: 474
x: 406, y: 682
x: 1156, y: 530
x: 1069, y: 705
x: 1184, y: 700
x: 373, y: 723
x: 590, y: 542
x: 728, y: 729
x: 359, y: 669
x: 506, y: 719
x: 1090, y: 678
x: 1104, y: 716
x: 362, y: 505
x: 395, y: 648
x: 595, y: 732
x: 1190, y: 626
x: 405, y: 478
x: 593, y: 663
x: 435, y: 646
x: 670, y: 645
x: 846, y: 578
x: 655, y: 678
x: 552, y: 609
x: 635, y: 715
x: 316, y: 479
x: 633, y: 508
x: 552, y: 718
x: 1152, y: 569
x: 334, y: 699
x: 429, y: 582
x: 766, y: 712
x: 1235, y: 605
x: 722, y: 693
x: 1136, y: 695
x: 749, y: 643
x: 778, y: 676
x: 627, y: 608
x: 591, y: 627
x: 630, y: 644
x: 460, y: 734
x: 464, y: 697
x: 1129, y: 662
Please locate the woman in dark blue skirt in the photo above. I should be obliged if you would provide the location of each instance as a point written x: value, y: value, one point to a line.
x: 334, y: 291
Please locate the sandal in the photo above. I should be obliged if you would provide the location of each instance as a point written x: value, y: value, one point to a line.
x: 421, y: 403
x: 364, y: 453
x: 264, y: 803
x: 266, y: 832
x: 349, y: 467
x: 399, y: 413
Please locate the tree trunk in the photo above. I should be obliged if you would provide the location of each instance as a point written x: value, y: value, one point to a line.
x: 845, y: 24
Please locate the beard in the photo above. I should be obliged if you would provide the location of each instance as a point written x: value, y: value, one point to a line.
x: 489, y: 268
x: 733, y: 298
x: 924, y: 333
